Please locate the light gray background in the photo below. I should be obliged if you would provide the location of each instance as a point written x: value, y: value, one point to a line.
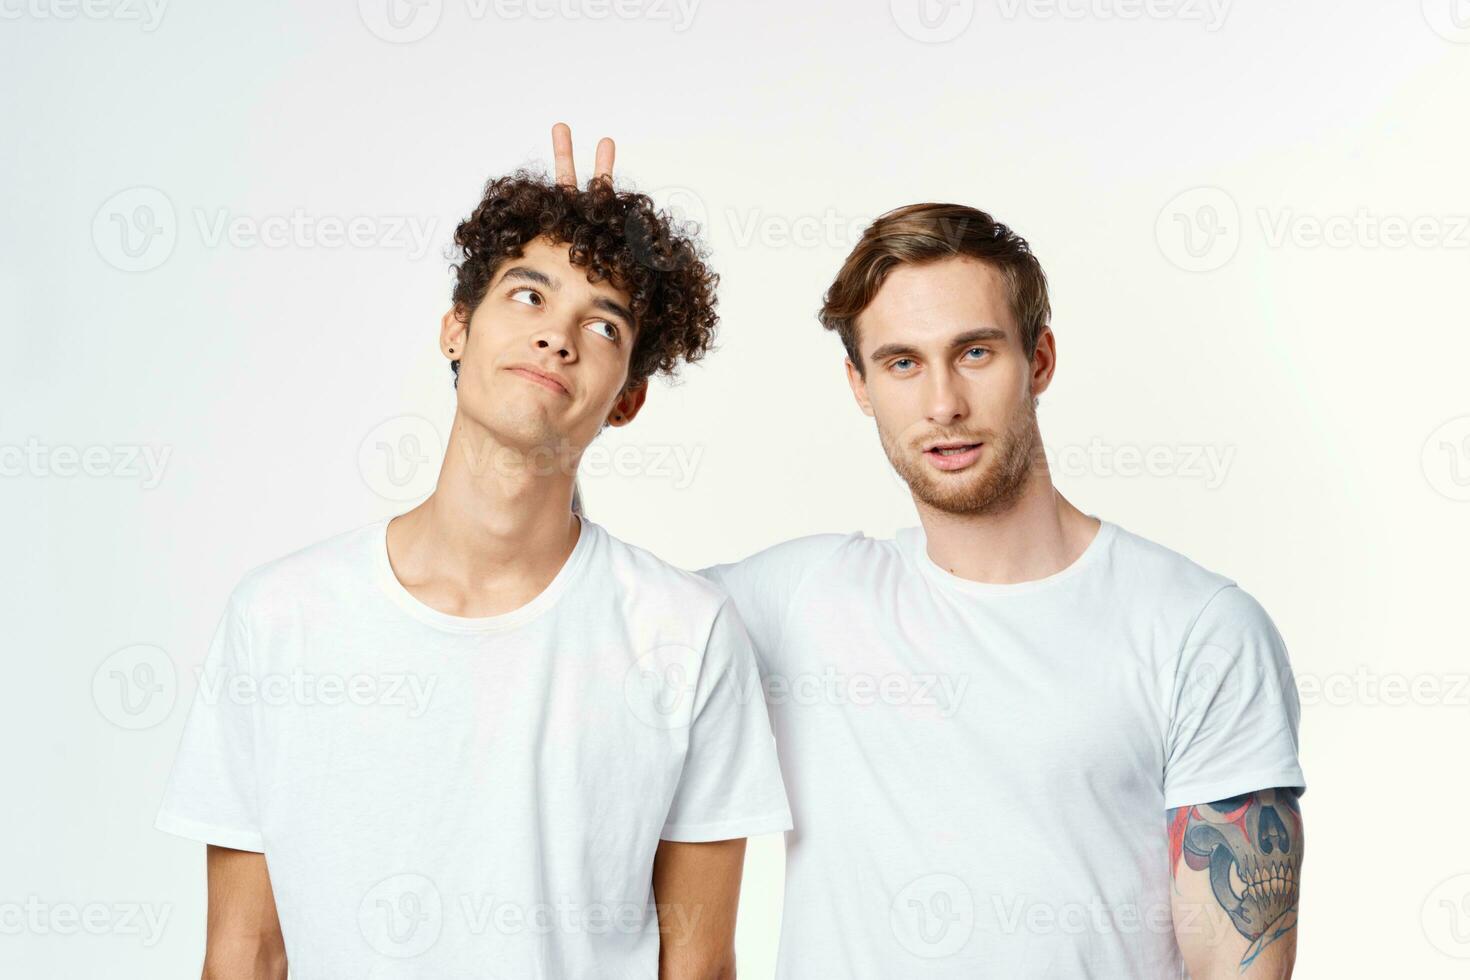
x: 1254, y: 216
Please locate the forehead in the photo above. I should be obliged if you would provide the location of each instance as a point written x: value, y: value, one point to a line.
x: 554, y: 259
x: 935, y: 300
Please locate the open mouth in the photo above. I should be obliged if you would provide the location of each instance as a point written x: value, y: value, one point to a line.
x: 953, y: 455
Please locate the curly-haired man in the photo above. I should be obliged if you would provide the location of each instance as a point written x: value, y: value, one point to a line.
x: 485, y: 737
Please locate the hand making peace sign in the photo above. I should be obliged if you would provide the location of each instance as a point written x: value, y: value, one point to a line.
x: 561, y: 148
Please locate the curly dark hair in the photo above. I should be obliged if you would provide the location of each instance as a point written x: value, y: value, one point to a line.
x: 618, y: 236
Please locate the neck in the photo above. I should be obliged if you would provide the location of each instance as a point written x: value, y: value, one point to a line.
x: 498, y: 512
x: 1038, y: 535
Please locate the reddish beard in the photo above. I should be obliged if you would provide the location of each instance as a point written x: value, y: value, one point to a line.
x: 991, y: 486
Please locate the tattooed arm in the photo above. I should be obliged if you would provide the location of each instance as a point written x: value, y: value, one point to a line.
x: 1236, y: 868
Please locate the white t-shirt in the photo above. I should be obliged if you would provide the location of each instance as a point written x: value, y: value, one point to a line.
x: 979, y: 773
x: 445, y: 797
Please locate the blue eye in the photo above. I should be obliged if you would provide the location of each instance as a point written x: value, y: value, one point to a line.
x: 611, y: 332
x: 981, y: 350
x: 901, y: 362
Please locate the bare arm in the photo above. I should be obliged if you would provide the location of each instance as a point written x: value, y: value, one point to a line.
x: 243, y: 941
x: 696, y: 888
x: 1236, y: 867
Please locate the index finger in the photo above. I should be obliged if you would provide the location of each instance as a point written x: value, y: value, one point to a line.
x: 603, y: 166
x: 561, y: 150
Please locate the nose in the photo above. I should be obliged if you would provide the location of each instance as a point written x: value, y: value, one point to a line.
x: 944, y: 399
x: 556, y: 337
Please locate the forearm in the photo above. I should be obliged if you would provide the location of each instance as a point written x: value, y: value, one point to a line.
x: 243, y: 939
x: 696, y: 890
x: 244, y: 958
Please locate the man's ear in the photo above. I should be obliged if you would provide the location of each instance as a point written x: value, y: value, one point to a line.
x: 628, y: 404
x: 454, y: 332
x: 859, y: 387
x: 1043, y: 362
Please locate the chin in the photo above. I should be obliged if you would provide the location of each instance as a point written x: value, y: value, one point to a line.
x: 987, y: 488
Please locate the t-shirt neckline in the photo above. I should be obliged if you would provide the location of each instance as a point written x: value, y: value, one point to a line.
x: 425, y: 613
x: 918, y: 548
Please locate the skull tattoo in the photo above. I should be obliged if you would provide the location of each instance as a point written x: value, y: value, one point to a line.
x: 1251, y: 846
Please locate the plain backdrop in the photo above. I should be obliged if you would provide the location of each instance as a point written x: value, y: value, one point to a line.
x: 223, y: 264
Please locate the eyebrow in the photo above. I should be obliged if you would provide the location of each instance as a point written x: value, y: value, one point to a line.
x: 978, y: 335
x: 527, y: 274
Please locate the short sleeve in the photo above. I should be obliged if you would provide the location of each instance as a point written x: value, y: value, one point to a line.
x: 1235, y: 710
x: 765, y: 585
x: 730, y: 785
x: 211, y: 794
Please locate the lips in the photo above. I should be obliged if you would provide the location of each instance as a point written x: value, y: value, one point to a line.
x: 548, y: 381
x: 953, y: 455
